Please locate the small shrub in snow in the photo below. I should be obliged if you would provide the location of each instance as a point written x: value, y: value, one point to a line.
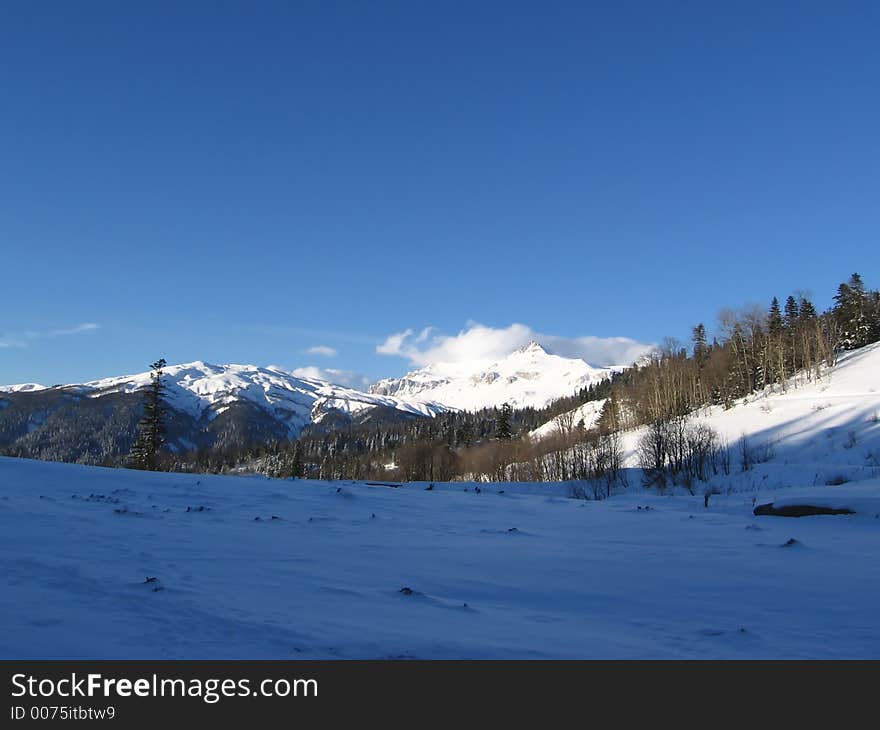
x: 746, y: 459
x: 679, y: 451
x: 724, y: 457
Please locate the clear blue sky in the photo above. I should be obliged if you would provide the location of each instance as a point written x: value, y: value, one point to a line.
x: 238, y: 181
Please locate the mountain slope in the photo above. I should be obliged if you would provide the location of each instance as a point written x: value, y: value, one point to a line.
x: 204, y: 391
x: 585, y: 416
x: 817, y: 432
x: 235, y: 406
x: 211, y: 406
x: 528, y: 377
x: 21, y: 388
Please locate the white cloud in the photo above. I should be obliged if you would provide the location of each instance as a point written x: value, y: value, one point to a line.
x: 394, y: 343
x: 322, y: 350
x: 479, y: 342
x: 347, y: 378
x: 22, y: 339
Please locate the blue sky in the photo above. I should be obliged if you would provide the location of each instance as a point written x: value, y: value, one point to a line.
x: 241, y: 182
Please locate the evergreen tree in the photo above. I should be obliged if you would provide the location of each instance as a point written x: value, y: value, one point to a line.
x: 146, y: 450
x: 792, y: 313
x: 701, y: 349
x: 774, y: 318
x: 775, y: 346
x: 851, y: 315
x: 808, y: 311
x: 609, y: 417
x: 874, y: 315
x: 503, y: 429
x: 464, y: 434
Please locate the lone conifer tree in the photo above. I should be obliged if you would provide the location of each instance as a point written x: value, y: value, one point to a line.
x: 701, y: 349
x: 503, y: 428
x: 151, y: 429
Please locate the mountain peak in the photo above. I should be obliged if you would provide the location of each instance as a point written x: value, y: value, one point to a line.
x: 528, y: 377
x: 533, y: 346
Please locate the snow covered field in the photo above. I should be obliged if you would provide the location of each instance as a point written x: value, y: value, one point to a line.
x: 101, y: 563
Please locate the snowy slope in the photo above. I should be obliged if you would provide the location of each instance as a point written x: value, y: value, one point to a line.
x: 586, y: 414
x: 493, y: 574
x: 203, y: 390
x: 828, y: 425
x: 22, y: 388
x: 530, y: 376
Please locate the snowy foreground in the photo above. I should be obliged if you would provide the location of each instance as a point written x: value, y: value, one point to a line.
x: 101, y: 563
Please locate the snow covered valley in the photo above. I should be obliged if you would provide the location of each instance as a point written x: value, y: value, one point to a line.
x: 104, y: 563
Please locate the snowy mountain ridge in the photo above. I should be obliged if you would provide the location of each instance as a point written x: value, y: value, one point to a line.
x: 22, y: 388
x: 204, y: 391
x: 528, y: 377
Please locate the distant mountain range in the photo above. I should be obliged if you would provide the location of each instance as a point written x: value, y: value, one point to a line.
x: 237, y: 405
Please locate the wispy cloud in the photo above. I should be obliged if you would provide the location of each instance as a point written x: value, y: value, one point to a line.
x: 322, y: 350
x: 347, y: 378
x: 396, y: 344
x: 23, y: 339
x: 78, y: 330
x: 479, y: 342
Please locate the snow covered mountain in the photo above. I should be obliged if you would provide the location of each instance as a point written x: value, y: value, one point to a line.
x: 236, y: 406
x: 211, y: 406
x: 21, y: 388
x: 204, y: 391
x: 530, y: 376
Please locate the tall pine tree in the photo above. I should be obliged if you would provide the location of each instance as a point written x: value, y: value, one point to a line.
x: 145, y: 452
x: 792, y: 313
x: 774, y: 318
x: 701, y: 349
x: 503, y: 428
x: 850, y: 311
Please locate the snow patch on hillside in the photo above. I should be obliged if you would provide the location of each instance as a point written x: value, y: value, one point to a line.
x: 585, y: 416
